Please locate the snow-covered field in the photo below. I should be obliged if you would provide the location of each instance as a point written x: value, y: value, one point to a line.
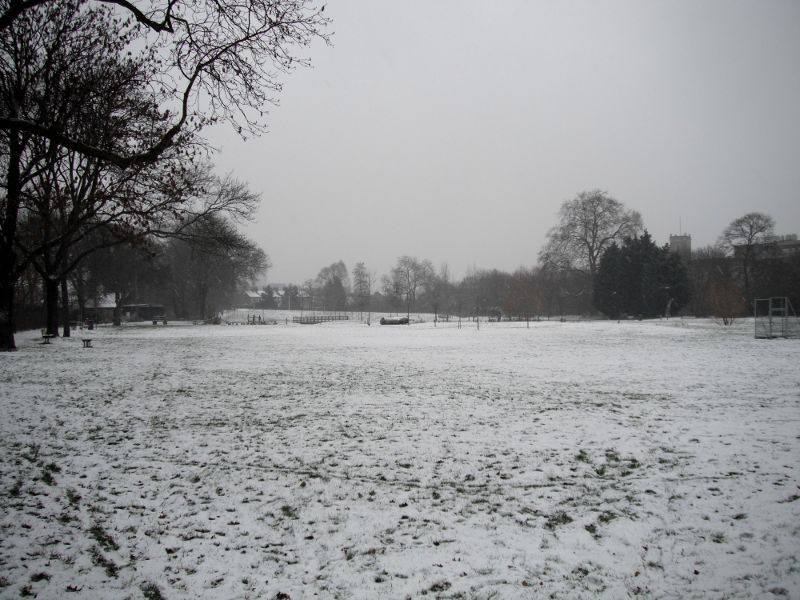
x: 565, y: 460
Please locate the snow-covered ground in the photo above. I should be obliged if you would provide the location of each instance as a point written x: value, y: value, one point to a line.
x: 565, y: 460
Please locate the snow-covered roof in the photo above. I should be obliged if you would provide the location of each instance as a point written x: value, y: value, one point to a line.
x: 106, y: 301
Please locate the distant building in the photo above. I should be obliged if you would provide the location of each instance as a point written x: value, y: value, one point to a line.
x: 774, y: 246
x: 249, y: 299
x: 681, y: 245
x: 784, y: 244
x: 142, y: 312
x: 102, y: 309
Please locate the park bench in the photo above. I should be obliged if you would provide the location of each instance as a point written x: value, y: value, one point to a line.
x: 87, y: 342
x: 47, y: 337
x: 157, y: 319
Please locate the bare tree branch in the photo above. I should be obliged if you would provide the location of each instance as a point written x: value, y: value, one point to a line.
x: 221, y: 52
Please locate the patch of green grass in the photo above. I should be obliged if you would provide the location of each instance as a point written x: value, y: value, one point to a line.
x: 102, y: 537
x: 580, y: 571
x: 47, y: 477
x: 99, y: 560
x: 15, y: 489
x: 151, y: 591
x: 557, y: 519
x: 73, y: 497
x: 607, y: 516
x: 440, y: 586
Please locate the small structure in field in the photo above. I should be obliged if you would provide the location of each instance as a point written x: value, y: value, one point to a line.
x: 394, y: 321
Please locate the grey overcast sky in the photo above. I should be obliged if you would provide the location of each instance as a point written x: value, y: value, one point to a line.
x: 453, y: 130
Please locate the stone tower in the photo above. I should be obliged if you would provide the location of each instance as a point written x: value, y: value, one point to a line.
x: 681, y: 245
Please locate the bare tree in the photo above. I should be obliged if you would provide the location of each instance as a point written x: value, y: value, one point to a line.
x: 523, y: 297
x: 409, y: 276
x: 363, y: 282
x: 212, y: 262
x: 309, y: 293
x: 726, y: 300
x: 63, y: 64
x: 119, y: 272
x: 62, y: 61
x: 392, y: 292
x: 76, y: 211
x: 215, y: 61
x: 441, y: 292
x: 333, y: 283
x: 741, y: 238
x: 334, y: 270
x: 588, y: 224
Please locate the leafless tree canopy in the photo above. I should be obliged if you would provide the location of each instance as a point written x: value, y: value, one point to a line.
x: 747, y: 230
x: 409, y: 276
x: 211, y: 61
x: 740, y: 239
x: 588, y: 224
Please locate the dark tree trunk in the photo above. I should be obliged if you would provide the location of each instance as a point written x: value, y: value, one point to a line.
x: 51, y: 305
x: 748, y: 297
x: 203, y: 302
x: 176, y: 307
x: 8, y: 258
x: 6, y: 304
x: 117, y: 309
x: 65, y: 308
x: 80, y: 292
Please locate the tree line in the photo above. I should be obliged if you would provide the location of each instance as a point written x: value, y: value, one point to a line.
x: 597, y: 260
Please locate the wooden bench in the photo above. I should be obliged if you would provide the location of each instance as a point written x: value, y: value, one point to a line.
x: 87, y: 342
x: 47, y: 336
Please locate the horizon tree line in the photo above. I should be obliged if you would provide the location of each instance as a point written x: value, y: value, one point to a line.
x: 592, y: 264
x: 598, y: 259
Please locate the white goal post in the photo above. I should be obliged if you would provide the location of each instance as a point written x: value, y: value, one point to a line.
x: 775, y: 318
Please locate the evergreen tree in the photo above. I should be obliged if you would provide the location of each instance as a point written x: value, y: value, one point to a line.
x: 291, y: 298
x: 267, y: 298
x: 640, y: 279
x: 334, y: 295
x: 608, y: 298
